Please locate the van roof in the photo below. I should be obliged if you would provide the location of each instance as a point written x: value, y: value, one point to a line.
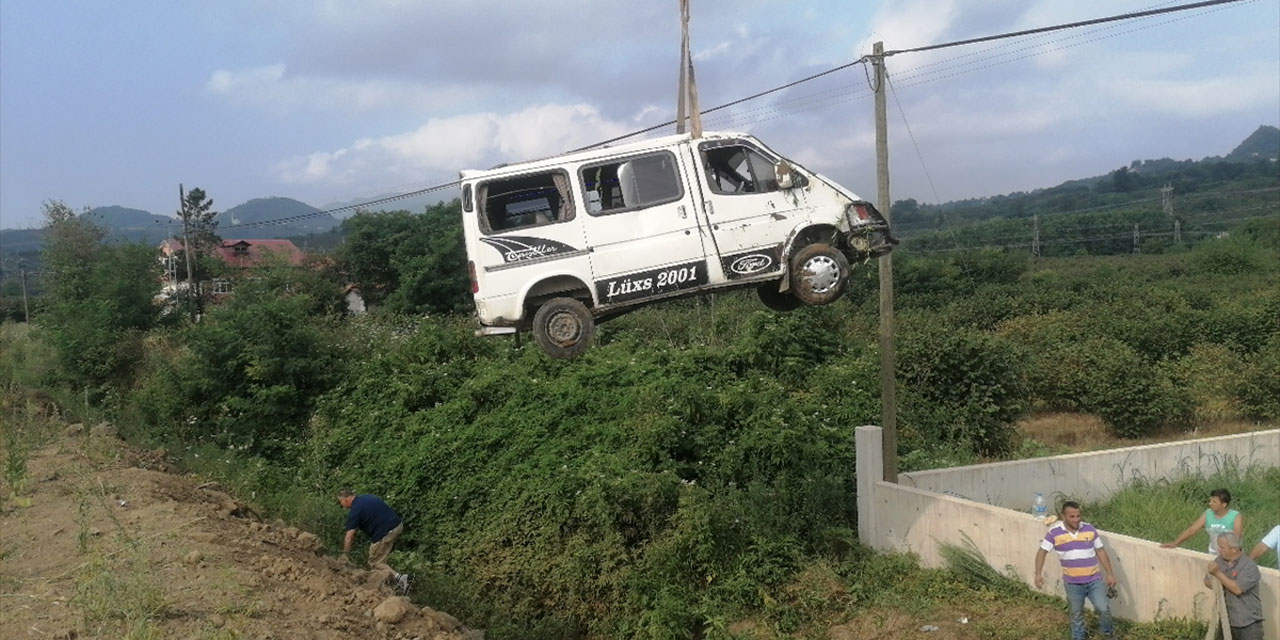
x: 592, y: 154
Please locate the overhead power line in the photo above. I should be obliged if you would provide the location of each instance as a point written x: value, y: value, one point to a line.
x: 721, y: 107
x: 350, y: 207
x: 1067, y: 25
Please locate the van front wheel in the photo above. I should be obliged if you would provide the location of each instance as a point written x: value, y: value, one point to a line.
x: 563, y: 328
x: 819, y: 274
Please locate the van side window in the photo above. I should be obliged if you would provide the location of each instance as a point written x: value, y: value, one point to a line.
x: 524, y: 201
x: 639, y: 181
x: 737, y: 168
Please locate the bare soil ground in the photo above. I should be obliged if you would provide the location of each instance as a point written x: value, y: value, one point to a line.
x: 101, y: 541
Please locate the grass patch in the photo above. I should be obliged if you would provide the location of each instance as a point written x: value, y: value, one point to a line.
x: 1159, y: 510
x: 891, y: 596
x: 119, y: 590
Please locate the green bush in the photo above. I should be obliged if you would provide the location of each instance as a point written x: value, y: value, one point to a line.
x: 633, y: 491
x: 1259, y: 390
x: 1126, y: 392
x: 95, y: 324
x: 960, y: 386
x: 248, y: 375
x: 1209, y: 375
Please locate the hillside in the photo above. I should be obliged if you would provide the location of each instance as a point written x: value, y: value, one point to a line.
x: 297, y: 219
x: 1263, y: 144
x: 108, y: 543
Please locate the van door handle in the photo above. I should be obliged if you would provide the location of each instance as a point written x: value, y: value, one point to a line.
x: 683, y: 212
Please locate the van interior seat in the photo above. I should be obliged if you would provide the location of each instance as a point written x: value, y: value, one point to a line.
x: 627, y: 183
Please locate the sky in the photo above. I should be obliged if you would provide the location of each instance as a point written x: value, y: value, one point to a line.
x: 327, y: 101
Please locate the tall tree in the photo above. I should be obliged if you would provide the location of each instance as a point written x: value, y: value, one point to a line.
x: 199, y: 220
x: 200, y: 238
x: 70, y: 244
x: 409, y: 263
x: 98, y: 298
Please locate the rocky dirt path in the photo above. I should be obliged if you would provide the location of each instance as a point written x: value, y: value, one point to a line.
x: 105, y: 542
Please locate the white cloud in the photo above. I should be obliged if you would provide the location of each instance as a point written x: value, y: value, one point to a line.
x: 271, y: 87
x: 707, y: 54
x: 442, y: 146
x: 1196, y: 98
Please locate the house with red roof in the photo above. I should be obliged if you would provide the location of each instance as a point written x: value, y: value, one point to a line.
x: 239, y: 254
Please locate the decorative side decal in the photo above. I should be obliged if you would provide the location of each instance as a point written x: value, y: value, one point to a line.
x: 645, y: 284
x: 521, y: 248
x: 752, y: 263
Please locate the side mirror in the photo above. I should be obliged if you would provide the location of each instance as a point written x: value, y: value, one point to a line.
x: 784, y: 174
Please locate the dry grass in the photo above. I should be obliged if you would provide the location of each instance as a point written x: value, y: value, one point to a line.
x: 1084, y: 432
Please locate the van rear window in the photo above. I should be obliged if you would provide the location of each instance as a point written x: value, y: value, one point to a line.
x: 524, y: 201
x: 640, y: 181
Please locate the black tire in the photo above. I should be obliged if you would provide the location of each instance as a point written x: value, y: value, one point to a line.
x: 777, y: 300
x: 563, y: 328
x: 819, y: 274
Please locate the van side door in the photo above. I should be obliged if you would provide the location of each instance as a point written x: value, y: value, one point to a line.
x: 644, y: 236
x: 750, y: 215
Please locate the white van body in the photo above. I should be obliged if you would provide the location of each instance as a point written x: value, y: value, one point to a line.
x: 603, y: 231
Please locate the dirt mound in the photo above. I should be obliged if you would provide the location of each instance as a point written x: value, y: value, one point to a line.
x: 103, y: 542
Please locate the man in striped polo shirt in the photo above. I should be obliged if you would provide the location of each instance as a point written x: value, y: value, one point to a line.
x: 1080, y: 551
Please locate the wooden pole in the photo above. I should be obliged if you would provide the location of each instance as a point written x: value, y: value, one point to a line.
x: 186, y: 251
x: 888, y: 380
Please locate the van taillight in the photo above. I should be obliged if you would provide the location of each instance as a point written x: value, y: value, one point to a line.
x: 475, y: 284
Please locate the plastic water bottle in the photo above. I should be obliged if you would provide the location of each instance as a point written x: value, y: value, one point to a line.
x: 1038, y: 508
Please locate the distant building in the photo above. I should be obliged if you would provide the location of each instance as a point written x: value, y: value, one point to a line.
x: 240, y: 254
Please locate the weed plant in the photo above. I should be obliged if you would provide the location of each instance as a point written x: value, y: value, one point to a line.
x: 1161, y: 509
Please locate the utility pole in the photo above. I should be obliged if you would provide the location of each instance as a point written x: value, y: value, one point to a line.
x: 687, y: 103
x: 26, y: 310
x: 888, y: 379
x: 186, y: 251
x: 1137, y: 248
x: 1035, y: 236
x: 1177, y: 231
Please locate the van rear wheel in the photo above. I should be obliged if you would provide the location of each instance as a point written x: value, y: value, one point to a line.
x: 563, y: 328
x: 819, y: 274
x: 777, y: 300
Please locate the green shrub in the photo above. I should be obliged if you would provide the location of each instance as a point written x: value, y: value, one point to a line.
x: 256, y: 365
x: 961, y: 386
x: 1259, y: 390
x: 635, y: 491
x: 1126, y: 392
x: 1209, y: 375
x: 1229, y: 256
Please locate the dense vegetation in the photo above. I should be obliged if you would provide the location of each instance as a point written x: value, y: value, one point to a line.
x: 697, y: 463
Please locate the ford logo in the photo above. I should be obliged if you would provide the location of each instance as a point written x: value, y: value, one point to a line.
x: 754, y: 263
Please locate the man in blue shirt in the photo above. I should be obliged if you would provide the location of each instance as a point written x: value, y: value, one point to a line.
x: 378, y: 521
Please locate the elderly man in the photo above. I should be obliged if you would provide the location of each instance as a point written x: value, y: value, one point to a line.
x: 1086, y: 568
x: 380, y: 522
x: 1239, y: 577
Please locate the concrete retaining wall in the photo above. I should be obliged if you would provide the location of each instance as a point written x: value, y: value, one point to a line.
x: 1153, y: 582
x: 1092, y: 477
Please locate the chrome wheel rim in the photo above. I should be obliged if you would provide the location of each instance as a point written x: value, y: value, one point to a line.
x: 821, y: 273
